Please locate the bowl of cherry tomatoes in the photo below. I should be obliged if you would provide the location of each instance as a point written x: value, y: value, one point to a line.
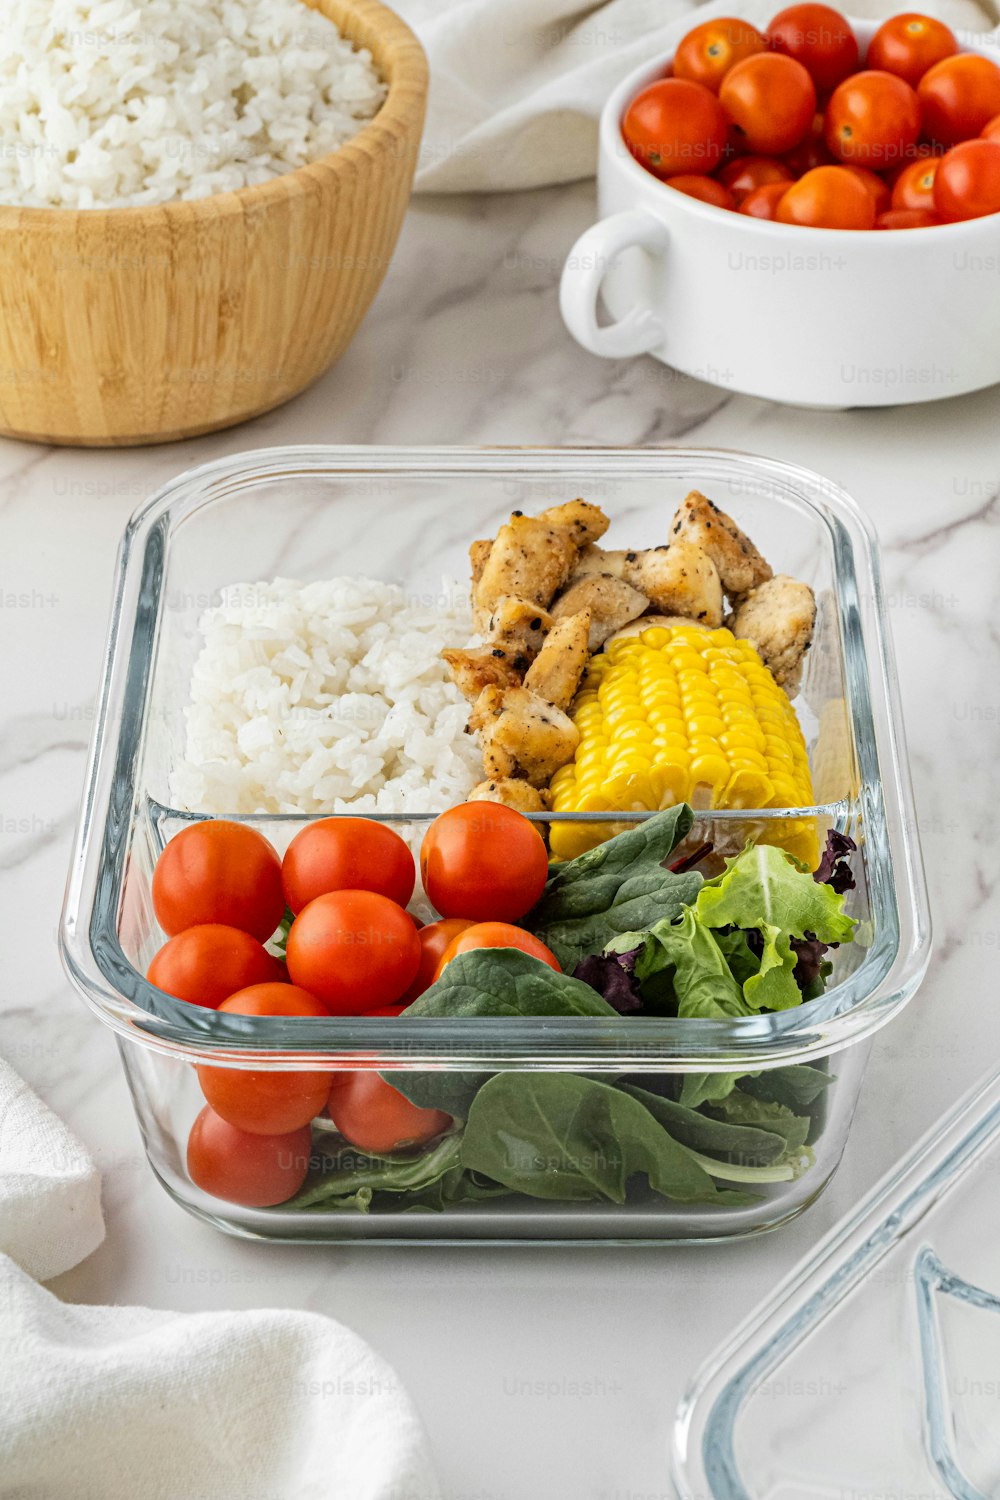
x: 808, y: 212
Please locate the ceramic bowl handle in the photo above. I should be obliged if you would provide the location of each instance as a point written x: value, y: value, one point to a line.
x: 588, y: 261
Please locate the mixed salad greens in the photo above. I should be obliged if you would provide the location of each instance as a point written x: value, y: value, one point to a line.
x: 635, y: 935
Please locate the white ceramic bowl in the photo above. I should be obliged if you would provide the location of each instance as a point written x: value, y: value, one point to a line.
x: 816, y: 317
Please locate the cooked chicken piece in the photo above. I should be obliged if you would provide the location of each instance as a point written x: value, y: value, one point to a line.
x: 612, y: 603
x: 517, y: 627
x: 678, y: 580
x: 556, y: 671
x: 585, y: 522
x: 533, y: 556
x: 740, y: 565
x: 522, y: 735
x: 516, y: 794
x: 653, y: 622
x: 478, y: 553
x: 486, y: 667
x: 778, y: 619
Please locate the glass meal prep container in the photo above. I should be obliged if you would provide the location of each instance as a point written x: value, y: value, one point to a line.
x: 408, y: 516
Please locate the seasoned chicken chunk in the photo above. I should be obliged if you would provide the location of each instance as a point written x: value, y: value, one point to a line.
x: 478, y: 553
x: 556, y: 671
x: 522, y: 735
x: 699, y: 521
x: 778, y: 619
x: 612, y: 603
x: 516, y: 794
x: 476, y: 669
x: 533, y: 556
x: 517, y: 627
x: 677, y: 580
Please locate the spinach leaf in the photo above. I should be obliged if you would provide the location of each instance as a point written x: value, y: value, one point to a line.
x: 564, y: 1137
x: 619, y: 886
x: 801, y: 1087
x: 746, y: 1144
x: 490, y: 982
x: 740, y: 1108
x: 348, y: 1178
x: 707, y: 1088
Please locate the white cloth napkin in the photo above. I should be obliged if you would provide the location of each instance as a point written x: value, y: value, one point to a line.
x: 111, y: 1403
x: 517, y: 85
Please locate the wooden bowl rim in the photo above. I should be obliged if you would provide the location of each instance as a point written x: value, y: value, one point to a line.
x: 404, y: 66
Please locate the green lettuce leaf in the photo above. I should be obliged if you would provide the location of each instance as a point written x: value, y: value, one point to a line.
x: 619, y: 886
x: 703, y: 984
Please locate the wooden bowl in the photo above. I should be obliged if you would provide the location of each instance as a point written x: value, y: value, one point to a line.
x: 139, y: 325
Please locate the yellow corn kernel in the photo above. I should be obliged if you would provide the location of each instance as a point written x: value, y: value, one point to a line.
x: 683, y: 714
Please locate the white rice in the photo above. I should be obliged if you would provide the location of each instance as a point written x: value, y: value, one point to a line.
x: 106, y: 103
x: 327, y: 697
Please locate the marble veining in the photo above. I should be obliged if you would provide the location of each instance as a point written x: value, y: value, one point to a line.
x: 565, y: 1367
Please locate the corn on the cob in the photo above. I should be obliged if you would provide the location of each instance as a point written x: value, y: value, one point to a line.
x: 683, y: 714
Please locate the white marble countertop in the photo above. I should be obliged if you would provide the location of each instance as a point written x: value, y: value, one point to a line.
x: 537, y: 1372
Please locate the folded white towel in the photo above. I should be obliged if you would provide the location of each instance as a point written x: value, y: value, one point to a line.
x: 517, y: 85
x: 110, y: 1403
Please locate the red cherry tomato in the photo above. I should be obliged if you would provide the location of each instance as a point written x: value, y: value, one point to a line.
x: 909, y: 44
x: 347, y: 854
x: 876, y: 185
x: 812, y: 150
x: 434, y: 939
x: 377, y: 1118
x: 771, y: 99
x: 763, y: 202
x: 497, y: 935
x: 873, y: 120
x: 959, y: 96
x: 818, y: 37
x: 205, y: 965
x: 906, y: 218
x: 748, y: 172
x: 483, y: 860
x: 219, y: 872
x: 706, y: 189
x: 991, y: 130
x: 676, y: 126
x: 267, y: 1101
x: 256, y: 1171
x: 914, y: 187
x: 828, y: 198
x: 967, y: 184
x: 708, y: 51
x: 354, y: 950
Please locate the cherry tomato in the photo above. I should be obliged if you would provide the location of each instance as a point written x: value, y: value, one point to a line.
x: 771, y: 99
x: 876, y: 185
x: 991, y: 130
x: 763, y: 202
x: 958, y: 97
x: 909, y: 44
x: 434, y: 939
x: 812, y: 150
x: 267, y: 1101
x: 256, y: 1171
x: 483, y: 860
x: 205, y: 965
x: 748, y: 172
x: 914, y: 187
x: 873, y: 120
x: 828, y: 198
x: 496, y: 935
x: 377, y: 1118
x: 675, y: 126
x: 967, y: 185
x: 219, y: 872
x: 354, y: 950
x: 347, y: 854
x: 707, y: 189
x: 818, y: 37
x: 708, y: 52
x: 906, y: 218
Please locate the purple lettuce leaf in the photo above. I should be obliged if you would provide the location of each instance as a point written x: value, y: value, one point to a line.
x: 612, y: 976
